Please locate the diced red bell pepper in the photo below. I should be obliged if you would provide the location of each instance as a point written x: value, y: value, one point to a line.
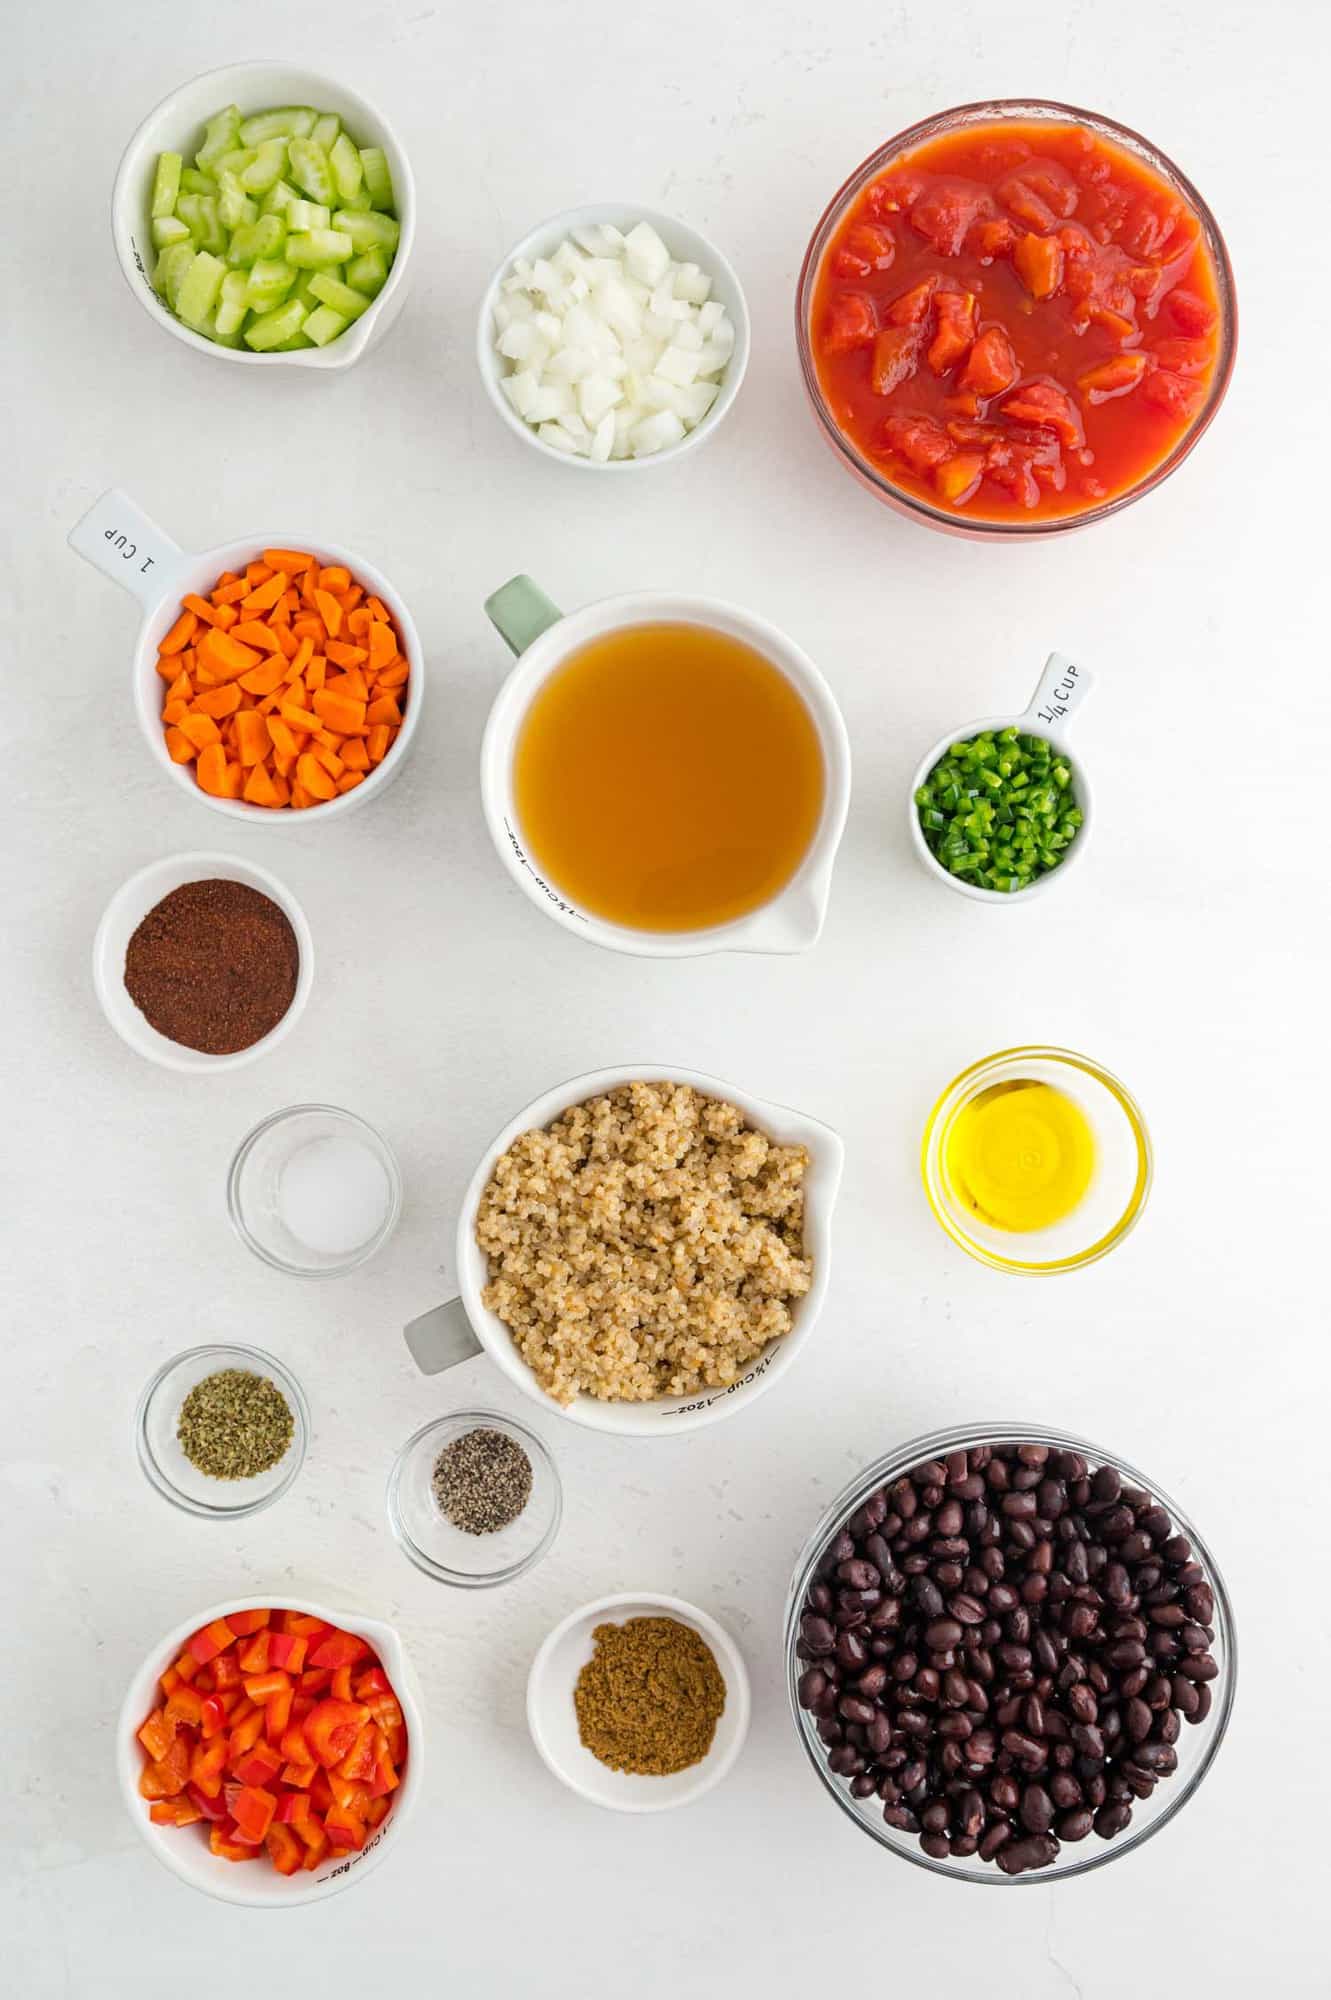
x: 373, y: 1681
x: 292, y: 1806
x: 376, y: 1811
x: 252, y: 1657
x: 180, y: 1811
x: 339, y: 1687
x: 384, y: 1777
x: 231, y: 1849
x: 210, y: 1809
x: 358, y: 1764
x: 991, y: 366
x: 277, y: 1714
x: 312, y: 1833
x: 259, y: 1766
x: 210, y: 1641
x: 315, y: 1680
x: 253, y: 1809
x: 338, y: 1649
x: 242, y: 1623
x: 302, y: 1776
x: 956, y: 330
x: 185, y: 1706
x: 157, y: 1735
x: 226, y: 1672
x: 320, y: 1791
x: 213, y: 1716
x: 163, y: 1778
x: 185, y: 1667
x: 207, y: 1765
x: 169, y: 1681
x: 262, y: 1687
x: 344, y: 1829
x: 331, y: 1728
x: 293, y: 1745
x: 245, y: 1734
x: 287, y: 1651
x: 305, y: 1622
x: 284, y: 1850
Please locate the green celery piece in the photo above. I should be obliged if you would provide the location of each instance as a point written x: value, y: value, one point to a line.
x: 221, y: 135
x: 348, y: 172
x: 267, y: 167
x: 233, y: 304
x: 273, y: 328
x: 237, y: 161
x: 317, y: 249
x: 198, y: 293
x: 301, y: 290
x: 324, y: 325
x: 278, y: 198
x: 326, y: 129
x: 170, y: 270
x: 310, y: 170
x: 289, y: 346
x: 366, y: 231
x: 360, y: 203
x: 169, y: 229
x: 330, y: 291
x: 214, y: 236
x: 254, y: 242
x: 199, y: 214
x: 288, y: 121
x: 303, y: 214
x: 232, y: 201
x: 269, y: 283
x: 378, y: 180
x: 193, y: 182
x: 166, y: 184
x: 212, y: 331
x: 368, y: 272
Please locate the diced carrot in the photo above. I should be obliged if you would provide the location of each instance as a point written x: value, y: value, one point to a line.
x: 259, y: 789
x: 393, y: 676
x: 178, y: 746
x: 252, y: 736
x: 335, y: 578
x: 265, y: 596
x: 257, y: 573
x: 231, y: 592
x: 250, y: 632
x: 299, y: 718
x: 330, y: 740
x: 175, y: 711
x: 281, y: 789
x: 376, y: 609
x: 300, y: 798
x: 343, y: 655
x: 385, y: 709
x: 329, y: 610
x: 292, y: 561
x: 349, y: 781
x: 226, y: 657
x: 201, y: 608
x: 180, y: 634
x: 262, y: 680
x: 359, y: 622
x: 288, y: 643
x: 219, y: 701
x: 377, y: 742
x: 354, y: 754
x: 330, y: 760
x: 315, y: 672
x: 311, y: 774
x: 350, y: 599
x: 269, y: 702
x: 382, y: 643
x: 352, y: 683
x: 309, y: 626
x: 283, y: 738
x: 180, y: 688
x: 294, y: 668
x: 234, y: 782
x: 204, y: 676
x: 284, y: 761
x: 344, y: 716
x: 201, y: 730
x: 212, y: 770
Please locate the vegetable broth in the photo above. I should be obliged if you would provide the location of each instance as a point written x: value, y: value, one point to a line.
x: 668, y: 778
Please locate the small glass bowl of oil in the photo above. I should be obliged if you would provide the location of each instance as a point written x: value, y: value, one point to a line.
x: 1036, y: 1160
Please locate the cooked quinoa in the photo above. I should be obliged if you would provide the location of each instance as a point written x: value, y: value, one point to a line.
x: 647, y: 1243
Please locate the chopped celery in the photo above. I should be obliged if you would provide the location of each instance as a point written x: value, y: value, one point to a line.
x: 289, y: 346
x: 288, y: 121
x: 233, y: 204
x: 301, y: 290
x: 166, y: 184
x: 310, y: 169
x: 326, y: 129
x: 199, y: 214
x: 360, y: 202
x: 317, y: 249
x: 378, y: 180
x: 233, y: 304
x: 172, y: 265
x: 236, y: 162
x: 273, y: 328
x: 368, y: 272
x: 193, y: 182
x: 308, y: 215
x: 221, y: 135
x: 348, y: 172
x: 255, y: 240
x: 366, y: 231
x: 212, y: 331
x: 268, y: 285
x: 324, y: 325
x: 278, y: 199
x: 266, y: 168
x: 330, y: 291
x: 169, y: 229
x: 198, y: 293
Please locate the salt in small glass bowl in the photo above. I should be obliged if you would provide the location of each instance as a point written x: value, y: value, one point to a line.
x: 164, y: 1463
x: 448, y: 1554
x: 253, y: 1189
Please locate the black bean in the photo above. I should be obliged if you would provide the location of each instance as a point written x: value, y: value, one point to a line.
x: 1112, y: 1819
x: 942, y: 1633
x: 817, y: 1634
x: 1018, y: 1856
x: 1074, y: 1825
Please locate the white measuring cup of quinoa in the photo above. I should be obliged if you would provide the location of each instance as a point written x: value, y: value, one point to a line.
x: 465, y: 1326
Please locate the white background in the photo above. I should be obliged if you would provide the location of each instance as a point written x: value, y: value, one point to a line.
x: 1189, y: 953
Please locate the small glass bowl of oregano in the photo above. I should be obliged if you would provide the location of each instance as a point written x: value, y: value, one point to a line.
x: 221, y: 1430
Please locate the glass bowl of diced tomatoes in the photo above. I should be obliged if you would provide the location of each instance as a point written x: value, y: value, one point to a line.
x: 270, y: 1753
x: 1015, y: 318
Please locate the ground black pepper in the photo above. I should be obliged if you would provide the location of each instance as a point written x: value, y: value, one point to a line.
x: 213, y: 966
x: 482, y: 1480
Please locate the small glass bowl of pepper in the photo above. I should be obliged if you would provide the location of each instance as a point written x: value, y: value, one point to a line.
x: 456, y: 1522
x: 221, y: 1431
x: 998, y: 809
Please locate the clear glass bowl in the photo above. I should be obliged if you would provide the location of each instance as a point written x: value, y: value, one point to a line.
x: 255, y: 1180
x: 1197, y: 1744
x: 1120, y: 1183
x: 990, y: 111
x: 165, y: 1464
x: 449, y: 1554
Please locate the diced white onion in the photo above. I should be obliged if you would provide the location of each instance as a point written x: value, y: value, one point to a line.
x: 609, y: 348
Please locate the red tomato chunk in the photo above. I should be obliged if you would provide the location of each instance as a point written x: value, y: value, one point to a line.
x: 265, y: 1764
x: 1017, y: 320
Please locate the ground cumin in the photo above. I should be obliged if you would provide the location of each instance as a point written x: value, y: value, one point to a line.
x: 213, y: 966
x: 649, y: 1698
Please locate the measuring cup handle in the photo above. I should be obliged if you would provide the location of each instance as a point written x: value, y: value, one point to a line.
x: 1059, y: 693
x: 116, y: 538
x: 520, y: 612
x: 441, y: 1338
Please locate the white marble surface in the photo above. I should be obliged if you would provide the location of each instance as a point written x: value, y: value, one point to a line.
x: 1191, y: 955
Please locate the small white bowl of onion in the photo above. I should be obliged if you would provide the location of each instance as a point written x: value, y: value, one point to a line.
x: 613, y: 337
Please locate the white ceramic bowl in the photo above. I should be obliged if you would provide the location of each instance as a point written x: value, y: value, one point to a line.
x: 121, y: 541
x: 126, y: 911
x: 792, y: 917
x: 174, y: 126
x: 685, y: 245
x: 553, y: 1722
x: 465, y: 1326
x: 1061, y: 689
x: 255, y: 1883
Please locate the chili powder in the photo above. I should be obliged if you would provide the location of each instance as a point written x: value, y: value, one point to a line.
x: 213, y: 966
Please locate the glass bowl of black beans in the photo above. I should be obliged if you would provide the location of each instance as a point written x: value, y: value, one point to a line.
x: 1010, y: 1656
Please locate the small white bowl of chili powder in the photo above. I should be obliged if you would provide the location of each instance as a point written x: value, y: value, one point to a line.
x: 203, y: 962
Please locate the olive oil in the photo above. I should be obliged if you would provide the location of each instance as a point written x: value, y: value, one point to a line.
x: 1020, y: 1155
x: 668, y: 778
